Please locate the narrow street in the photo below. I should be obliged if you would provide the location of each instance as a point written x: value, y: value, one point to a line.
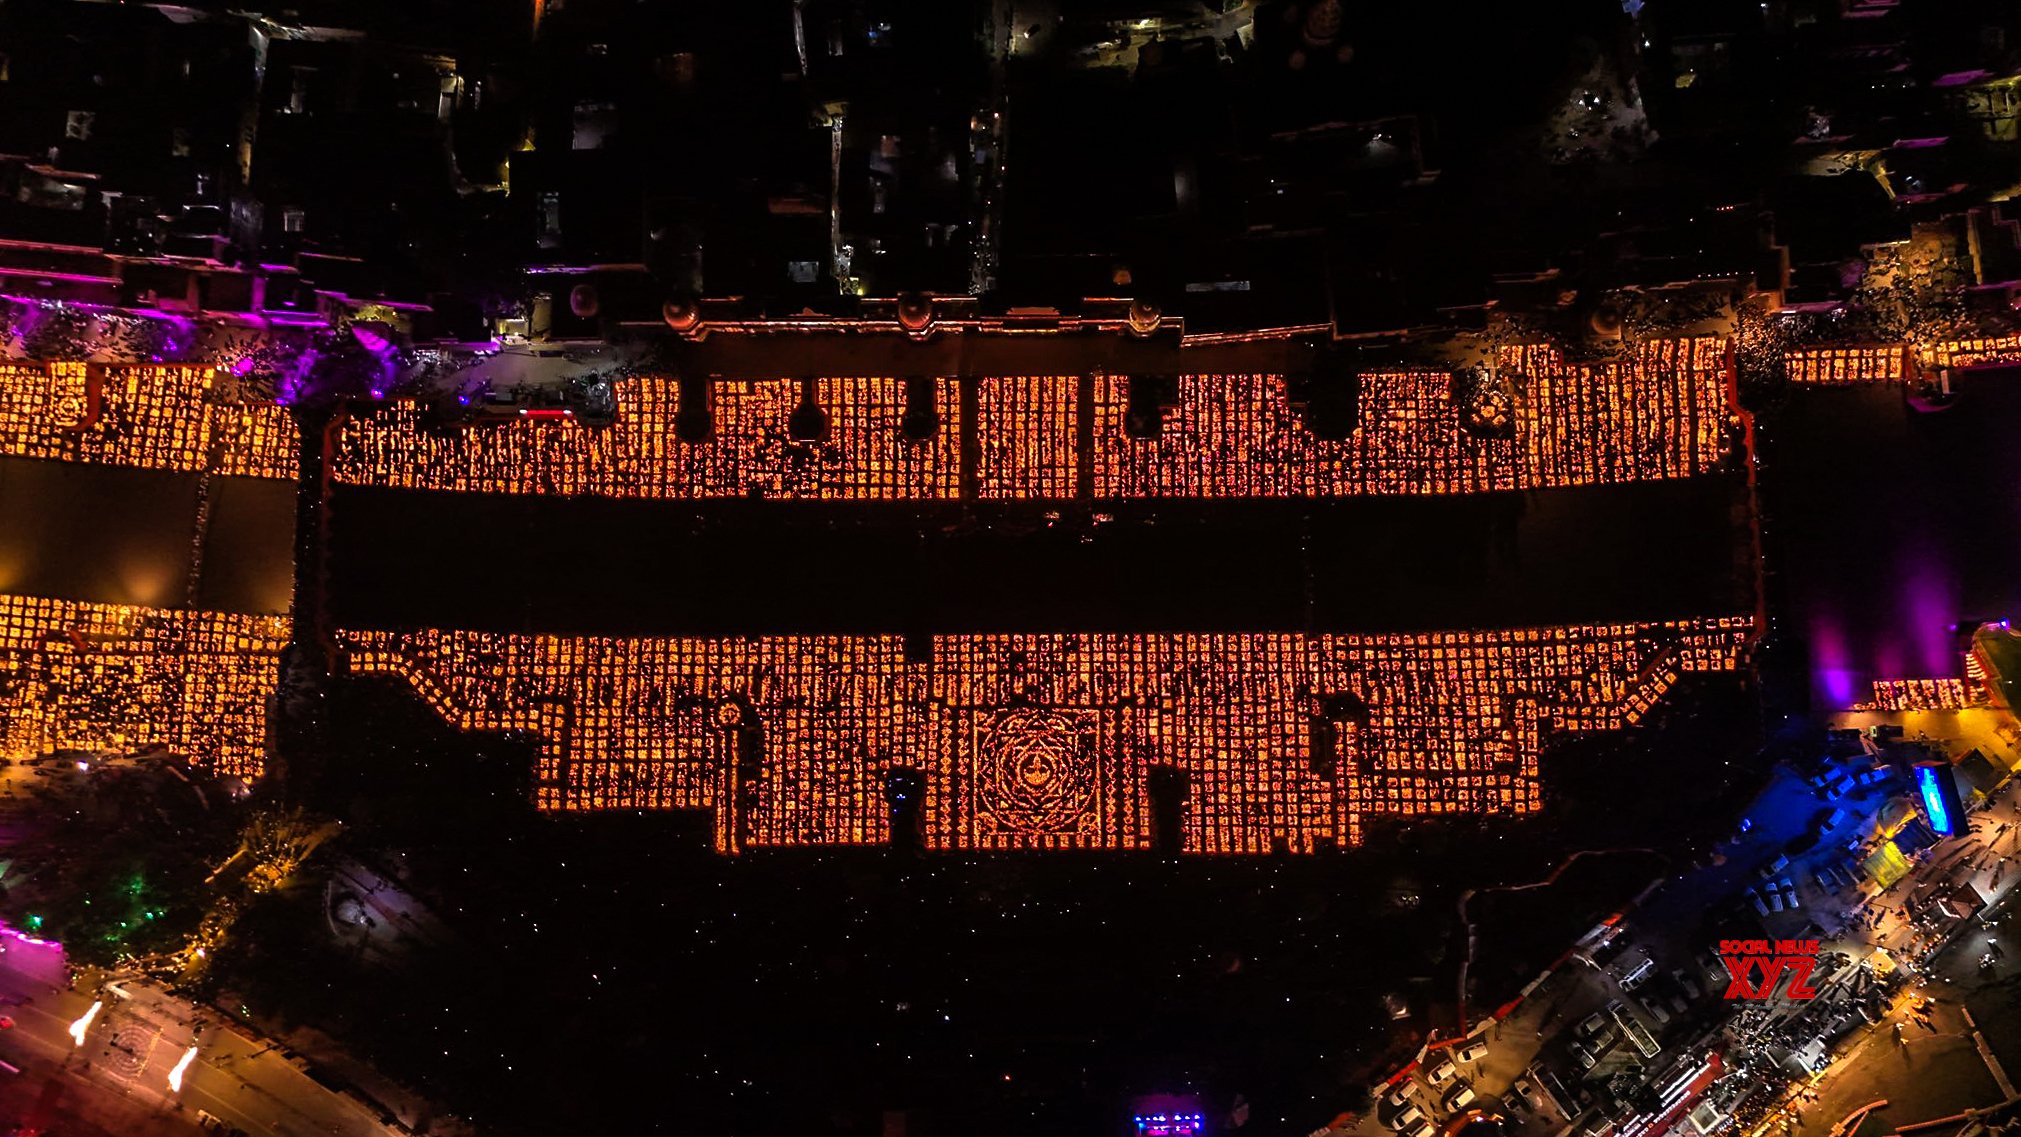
x: 118, y: 1080
x: 1551, y: 1064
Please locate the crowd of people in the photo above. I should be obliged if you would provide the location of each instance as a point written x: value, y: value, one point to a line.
x: 116, y: 677
x: 1442, y: 722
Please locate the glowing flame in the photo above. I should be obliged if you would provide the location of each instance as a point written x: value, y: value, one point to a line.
x: 175, y: 1075
x: 83, y: 1023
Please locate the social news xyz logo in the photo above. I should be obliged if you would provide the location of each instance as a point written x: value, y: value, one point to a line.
x: 1757, y: 967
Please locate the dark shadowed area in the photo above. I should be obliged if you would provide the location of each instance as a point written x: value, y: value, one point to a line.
x: 121, y: 535
x: 1887, y: 525
x: 1642, y: 552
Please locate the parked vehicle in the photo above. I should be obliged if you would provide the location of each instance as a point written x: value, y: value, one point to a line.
x: 1473, y: 1051
x: 1410, y: 1116
x: 1657, y: 1011
x: 1459, y: 1096
x: 1715, y: 971
x: 1586, y: 1058
x: 1594, y: 1024
x: 1690, y: 985
x: 1634, y: 980
x: 1554, y: 1090
x: 1442, y: 1073
x: 1637, y: 1034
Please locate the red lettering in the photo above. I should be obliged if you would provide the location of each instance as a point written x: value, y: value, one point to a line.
x: 1741, y: 968
x: 1799, y: 978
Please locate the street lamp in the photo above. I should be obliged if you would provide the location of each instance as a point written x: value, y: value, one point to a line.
x: 83, y: 1022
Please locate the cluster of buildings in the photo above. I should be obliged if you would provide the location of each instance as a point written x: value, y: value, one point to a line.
x: 852, y: 251
x: 1276, y: 164
x: 1864, y: 881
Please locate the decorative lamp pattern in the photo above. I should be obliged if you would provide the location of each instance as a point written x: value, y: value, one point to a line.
x: 168, y: 416
x: 107, y: 676
x: 1048, y: 741
x: 1846, y: 366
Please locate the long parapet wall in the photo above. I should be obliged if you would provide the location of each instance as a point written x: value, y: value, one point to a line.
x: 1049, y: 741
x: 157, y: 416
x: 1666, y: 412
x: 102, y: 676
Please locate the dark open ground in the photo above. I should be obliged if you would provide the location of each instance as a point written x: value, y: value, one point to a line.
x: 506, y: 563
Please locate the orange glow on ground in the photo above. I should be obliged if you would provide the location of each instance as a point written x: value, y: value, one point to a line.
x: 159, y: 416
x: 107, y: 676
x: 1047, y: 741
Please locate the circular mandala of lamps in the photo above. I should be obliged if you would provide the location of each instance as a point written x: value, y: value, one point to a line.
x: 1036, y: 772
x: 729, y: 714
x: 129, y: 1050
